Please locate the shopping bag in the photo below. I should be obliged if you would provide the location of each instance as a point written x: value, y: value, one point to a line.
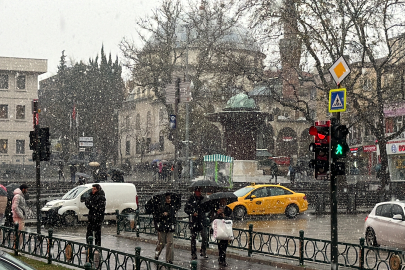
x: 222, y: 229
x: 288, y: 174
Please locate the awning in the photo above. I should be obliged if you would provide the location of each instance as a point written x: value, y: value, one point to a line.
x: 218, y: 157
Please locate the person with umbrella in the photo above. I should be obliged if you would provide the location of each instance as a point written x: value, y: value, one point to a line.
x: 196, y: 222
x: 166, y: 226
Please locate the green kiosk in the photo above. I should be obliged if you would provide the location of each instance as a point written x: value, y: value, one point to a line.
x: 219, y: 168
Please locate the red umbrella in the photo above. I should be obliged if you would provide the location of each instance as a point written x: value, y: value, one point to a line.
x: 3, y: 187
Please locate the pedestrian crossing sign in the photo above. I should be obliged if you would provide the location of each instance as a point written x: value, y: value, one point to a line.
x: 337, y: 100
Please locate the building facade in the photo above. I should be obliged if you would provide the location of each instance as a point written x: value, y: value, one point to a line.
x: 18, y: 87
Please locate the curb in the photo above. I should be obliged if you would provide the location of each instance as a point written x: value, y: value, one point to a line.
x: 233, y: 255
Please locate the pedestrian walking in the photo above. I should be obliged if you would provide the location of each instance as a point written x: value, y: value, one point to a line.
x: 274, y: 171
x: 60, y: 171
x: 18, y: 207
x: 221, y: 211
x: 196, y: 223
x: 165, y: 226
x: 73, y: 171
x: 96, y: 205
x: 292, y: 171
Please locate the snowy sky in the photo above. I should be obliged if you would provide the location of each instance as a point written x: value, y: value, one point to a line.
x: 41, y: 29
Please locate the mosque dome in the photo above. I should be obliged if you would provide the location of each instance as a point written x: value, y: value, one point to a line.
x: 241, y: 102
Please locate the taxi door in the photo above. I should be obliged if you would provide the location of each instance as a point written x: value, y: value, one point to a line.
x: 275, y: 203
x: 255, y: 202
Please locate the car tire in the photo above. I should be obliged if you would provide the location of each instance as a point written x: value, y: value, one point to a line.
x: 70, y: 219
x: 239, y: 212
x: 371, y: 239
x: 292, y: 211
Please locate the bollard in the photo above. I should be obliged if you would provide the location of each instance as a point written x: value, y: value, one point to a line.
x: 50, y: 242
x: 137, y: 222
x: 301, y: 248
x: 137, y: 258
x: 117, y: 214
x: 87, y: 266
x: 193, y: 265
x: 250, y: 247
x: 361, y: 254
x: 16, y: 240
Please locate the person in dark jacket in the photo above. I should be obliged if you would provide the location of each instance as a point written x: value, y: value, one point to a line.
x: 221, y: 211
x: 96, y: 205
x: 166, y: 223
x: 196, y: 223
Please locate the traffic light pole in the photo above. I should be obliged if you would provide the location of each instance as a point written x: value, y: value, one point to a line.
x: 38, y: 173
x: 333, y: 204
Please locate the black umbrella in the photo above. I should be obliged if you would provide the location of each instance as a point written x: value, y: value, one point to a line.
x: 3, y: 191
x: 205, y: 185
x: 115, y: 171
x: 82, y: 175
x: 10, y: 190
x: 158, y: 199
x: 211, y: 200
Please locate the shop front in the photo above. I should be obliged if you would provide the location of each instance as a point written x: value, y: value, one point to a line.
x: 396, y: 159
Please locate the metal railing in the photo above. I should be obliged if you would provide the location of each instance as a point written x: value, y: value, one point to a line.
x: 76, y: 254
x: 300, y: 248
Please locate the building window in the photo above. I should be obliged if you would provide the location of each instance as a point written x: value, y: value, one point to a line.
x: 161, y: 117
x: 148, y: 121
x: 148, y: 143
x: 3, y: 111
x: 3, y: 146
x: 138, y: 122
x: 21, y: 82
x: 161, y: 143
x: 20, y: 146
x: 3, y: 81
x: 127, y: 121
x: 138, y: 147
x: 20, y: 112
x: 127, y: 148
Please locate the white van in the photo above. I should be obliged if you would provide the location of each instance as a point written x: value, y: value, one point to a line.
x: 71, y: 208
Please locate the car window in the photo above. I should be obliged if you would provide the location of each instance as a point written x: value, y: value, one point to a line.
x: 276, y: 191
x: 260, y: 192
x: 72, y: 194
x: 243, y: 191
x: 397, y: 210
x: 85, y: 195
x: 386, y: 210
x: 378, y: 210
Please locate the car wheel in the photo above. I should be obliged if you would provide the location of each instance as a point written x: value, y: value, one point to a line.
x: 371, y: 240
x: 292, y: 211
x: 70, y: 218
x: 239, y: 212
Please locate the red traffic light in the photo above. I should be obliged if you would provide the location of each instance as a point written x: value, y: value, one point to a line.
x: 320, y: 132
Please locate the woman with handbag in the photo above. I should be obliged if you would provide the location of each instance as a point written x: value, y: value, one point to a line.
x: 221, y: 211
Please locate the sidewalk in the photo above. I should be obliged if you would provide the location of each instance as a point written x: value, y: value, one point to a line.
x: 236, y: 259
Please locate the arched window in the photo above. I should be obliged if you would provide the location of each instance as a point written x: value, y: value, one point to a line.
x: 138, y: 122
x: 128, y: 146
x: 148, y: 121
x: 161, y: 142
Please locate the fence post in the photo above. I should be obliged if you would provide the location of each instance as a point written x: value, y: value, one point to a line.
x: 250, y: 247
x: 50, y: 243
x: 361, y: 254
x: 301, y: 247
x: 16, y: 240
x: 137, y: 259
x: 117, y: 213
x: 193, y: 265
x: 87, y: 266
x: 137, y: 222
x: 90, y: 255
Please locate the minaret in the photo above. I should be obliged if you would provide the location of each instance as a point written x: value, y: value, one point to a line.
x: 290, y: 49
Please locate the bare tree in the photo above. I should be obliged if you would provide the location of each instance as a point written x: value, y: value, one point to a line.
x: 369, y: 32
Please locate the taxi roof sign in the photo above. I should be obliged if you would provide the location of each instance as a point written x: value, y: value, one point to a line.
x: 339, y: 70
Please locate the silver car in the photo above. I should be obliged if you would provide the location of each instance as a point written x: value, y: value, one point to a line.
x: 385, y: 225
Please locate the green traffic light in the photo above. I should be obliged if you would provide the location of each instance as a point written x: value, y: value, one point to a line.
x: 339, y: 150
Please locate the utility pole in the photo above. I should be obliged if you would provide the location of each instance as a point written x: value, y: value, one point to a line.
x: 187, y: 174
x: 176, y: 133
x: 37, y: 156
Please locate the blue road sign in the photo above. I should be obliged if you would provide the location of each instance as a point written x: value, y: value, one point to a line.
x: 337, y: 100
x: 172, y: 123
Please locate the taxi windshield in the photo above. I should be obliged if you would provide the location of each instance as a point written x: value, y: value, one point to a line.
x: 243, y: 191
x: 71, y: 194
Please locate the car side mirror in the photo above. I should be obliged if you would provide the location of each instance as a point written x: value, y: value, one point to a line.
x: 252, y: 197
x: 397, y: 217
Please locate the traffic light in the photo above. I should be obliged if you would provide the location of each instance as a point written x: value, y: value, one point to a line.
x: 33, y: 142
x: 320, y: 147
x: 45, y: 152
x: 339, y: 145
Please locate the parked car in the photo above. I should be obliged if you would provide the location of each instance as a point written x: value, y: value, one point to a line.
x: 268, y: 199
x: 11, y: 263
x: 71, y: 208
x: 385, y: 225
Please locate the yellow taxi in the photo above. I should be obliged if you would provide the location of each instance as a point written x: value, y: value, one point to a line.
x: 268, y: 199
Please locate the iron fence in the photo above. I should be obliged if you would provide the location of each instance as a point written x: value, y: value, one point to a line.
x: 300, y: 248
x: 76, y: 254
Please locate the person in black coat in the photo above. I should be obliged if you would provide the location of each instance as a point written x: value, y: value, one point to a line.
x: 96, y: 204
x: 166, y: 224
x: 221, y: 211
x: 196, y: 223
